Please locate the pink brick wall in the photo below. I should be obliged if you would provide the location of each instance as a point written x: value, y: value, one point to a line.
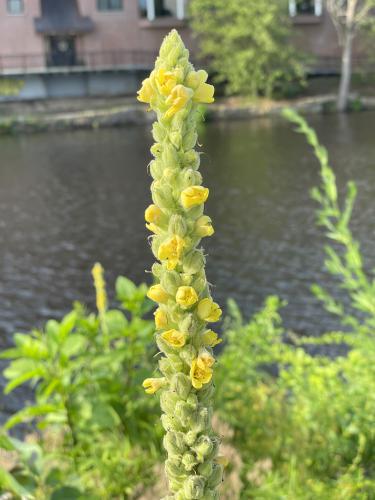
x: 17, y: 33
x: 121, y: 30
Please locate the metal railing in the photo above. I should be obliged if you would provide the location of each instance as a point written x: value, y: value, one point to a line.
x: 83, y: 61
x: 136, y: 59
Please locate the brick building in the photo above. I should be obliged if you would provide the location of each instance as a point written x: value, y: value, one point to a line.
x: 91, y: 47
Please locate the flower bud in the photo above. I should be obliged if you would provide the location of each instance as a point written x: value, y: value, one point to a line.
x: 156, y: 269
x: 186, y: 279
x: 193, y: 262
x: 188, y: 353
x: 156, y: 149
x: 189, y: 461
x: 169, y: 156
x: 205, y: 469
x: 162, y: 196
x: 174, y: 470
x: 158, y: 294
x: 156, y: 169
x: 174, y: 443
x: 158, y: 132
x: 191, y: 177
x: 200, y: 284
x: 153, y: 214
x: 168, y: 401
x: 176, y: 139
x: 186, y: 413
x: 216, y: 477
x: 210, y: 338
x: 181, y: 384
x: 177, y: 225
x: 203, y: 226
x: 170, y: 280
x: 203, y: 448
x: 191, y: 159
x: 151, y: 385
x: 190, y: 438
x: 186, y: 323
x: 194, y: 487
x: 190, y: 139
x: 186, y: 296
x: 161, y: 319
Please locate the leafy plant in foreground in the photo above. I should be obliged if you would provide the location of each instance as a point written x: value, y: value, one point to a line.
x: 96, y: 430
x: 304, y: 425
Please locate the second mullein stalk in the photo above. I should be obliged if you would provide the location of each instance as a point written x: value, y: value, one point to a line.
x: 185, y: 307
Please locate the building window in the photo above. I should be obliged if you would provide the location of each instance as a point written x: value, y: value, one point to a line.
x: 15, y: 6
x: 153, y: 9
x: 105, y: 5
x: 309, y: 7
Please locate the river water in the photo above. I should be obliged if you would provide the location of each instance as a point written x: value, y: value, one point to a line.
x: 70, y: 199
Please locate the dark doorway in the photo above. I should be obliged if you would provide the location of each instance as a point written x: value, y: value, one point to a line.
x: 62, y: 51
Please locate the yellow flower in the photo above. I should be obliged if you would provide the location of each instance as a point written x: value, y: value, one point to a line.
x: 153, y: 214
x: 203, y: 92
x: 178, y: 99
x: 99, y: 283
x: 201, y: 370
x: 203, y: 226
x: 186, y: 296
x: 171, y: 251
x: 166, y: 81
x: 193, y: 196
x: 174, y: 338
x: 161, y: 319
x: 210, y: 338
x: 209, y: 310
x: 151, y: 385
x: 154, y: 228
x: 146, y: 92
x: 158, y: 294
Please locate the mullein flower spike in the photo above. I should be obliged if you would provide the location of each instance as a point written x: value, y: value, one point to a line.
x: 174, y: 90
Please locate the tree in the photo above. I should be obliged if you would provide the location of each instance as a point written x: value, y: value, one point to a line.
x: 247, y: 44
x: 349, y: 18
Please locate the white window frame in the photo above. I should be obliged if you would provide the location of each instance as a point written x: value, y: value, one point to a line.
x: 180, y: 10
x: 318, y: 8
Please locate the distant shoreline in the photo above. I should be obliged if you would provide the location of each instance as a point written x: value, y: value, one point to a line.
x: 64, y: 115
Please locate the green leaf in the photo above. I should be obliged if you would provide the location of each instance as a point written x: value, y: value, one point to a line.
x: 125, y: 288
x: 29, y: 413
x: 68, y: 493
x: 21, y: 379
x: 20, y: 367
x: 9, y: 484
x: 116, y: 322
x: 67, y: 325
x: 73, y: 345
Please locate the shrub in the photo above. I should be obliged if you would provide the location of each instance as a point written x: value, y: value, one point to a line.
x: 96, y: 431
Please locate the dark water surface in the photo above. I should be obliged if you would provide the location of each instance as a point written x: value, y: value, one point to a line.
x: 70, y: 199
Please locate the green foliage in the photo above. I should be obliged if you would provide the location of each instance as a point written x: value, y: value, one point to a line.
x: 307, y: 431
x: 247, y: 44
x: 96, y: 428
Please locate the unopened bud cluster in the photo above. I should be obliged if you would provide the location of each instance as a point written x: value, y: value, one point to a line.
x: 185, y: 307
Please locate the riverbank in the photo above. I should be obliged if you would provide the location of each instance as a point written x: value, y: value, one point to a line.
x: 72, y: 114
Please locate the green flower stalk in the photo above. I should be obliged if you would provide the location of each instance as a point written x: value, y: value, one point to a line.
x: 185, y: 307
